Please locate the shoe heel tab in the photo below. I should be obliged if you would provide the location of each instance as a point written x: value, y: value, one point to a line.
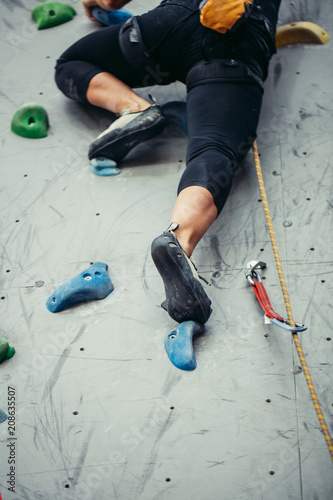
x: 153, y: 99
x: 172, y: 227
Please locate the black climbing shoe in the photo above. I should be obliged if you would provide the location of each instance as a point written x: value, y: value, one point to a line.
x: 185, y: 297
x: 127, y: 132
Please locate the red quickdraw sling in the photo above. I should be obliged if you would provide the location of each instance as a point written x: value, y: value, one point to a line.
x: 253, y: 277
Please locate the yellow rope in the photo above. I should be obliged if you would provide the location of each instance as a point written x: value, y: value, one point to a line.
x: 287, y: 302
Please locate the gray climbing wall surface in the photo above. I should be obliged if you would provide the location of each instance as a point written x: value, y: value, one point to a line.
x: 101, y: 413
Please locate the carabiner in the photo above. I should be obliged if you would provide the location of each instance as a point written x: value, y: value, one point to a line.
x: 289, y: 328
x: 251, y: 273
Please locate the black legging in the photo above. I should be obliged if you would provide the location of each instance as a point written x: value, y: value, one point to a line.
x: 222, y: 74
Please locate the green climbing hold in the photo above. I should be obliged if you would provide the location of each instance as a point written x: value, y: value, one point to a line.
x: 49, y: 14
x: 6, y: 351
x: 31, y: 121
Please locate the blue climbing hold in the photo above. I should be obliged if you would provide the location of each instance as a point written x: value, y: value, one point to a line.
x: 179, y: 347
x: 104, y: 166
x: 92, y: 284
x: 175, y: 112
x: 110, y: 17
x: 3, y: 416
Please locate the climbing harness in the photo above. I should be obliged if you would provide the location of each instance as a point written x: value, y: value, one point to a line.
x: 291, y: 322
x: 253, y: 277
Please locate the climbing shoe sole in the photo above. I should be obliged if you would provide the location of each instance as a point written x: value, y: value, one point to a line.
x: 185, y: 297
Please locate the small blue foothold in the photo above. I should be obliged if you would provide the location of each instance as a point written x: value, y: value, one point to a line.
x: 178, y: 345
x: 92, y: 284
x: 175, y: 112
x: 108, y: 17
x: 3, y: 416
x: 104, y: 166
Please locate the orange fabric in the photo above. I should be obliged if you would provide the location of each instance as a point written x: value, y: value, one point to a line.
x: 221, y: 15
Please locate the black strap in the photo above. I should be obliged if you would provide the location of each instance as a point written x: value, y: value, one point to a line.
x: 221, y: 70
x: 132, y: 46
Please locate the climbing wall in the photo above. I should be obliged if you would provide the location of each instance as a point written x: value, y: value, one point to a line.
x: 96, y: 409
